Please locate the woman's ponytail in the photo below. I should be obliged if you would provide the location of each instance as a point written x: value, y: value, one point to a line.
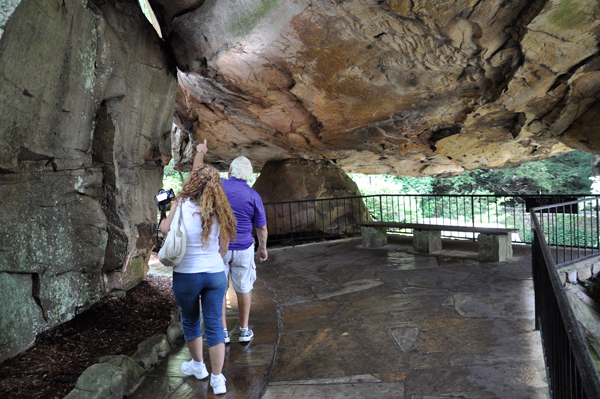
x: 204, y: 189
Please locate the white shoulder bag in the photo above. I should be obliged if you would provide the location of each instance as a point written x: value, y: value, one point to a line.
x: 173, y: 248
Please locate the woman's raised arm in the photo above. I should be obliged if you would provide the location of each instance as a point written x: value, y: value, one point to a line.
x: 201, y: 149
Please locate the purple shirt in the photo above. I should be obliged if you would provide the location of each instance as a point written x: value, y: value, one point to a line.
x: 248, y: 210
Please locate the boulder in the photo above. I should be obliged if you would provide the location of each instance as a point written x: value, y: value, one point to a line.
x: 132, y: 372
x: 151, y: 350
x: 86, y: 106
x: 304, y: 180
x: 100, y: 381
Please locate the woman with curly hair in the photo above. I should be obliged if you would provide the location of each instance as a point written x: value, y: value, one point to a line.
x: 210, y: 225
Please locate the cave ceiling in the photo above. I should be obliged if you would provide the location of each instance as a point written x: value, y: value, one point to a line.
x: 409, y: 88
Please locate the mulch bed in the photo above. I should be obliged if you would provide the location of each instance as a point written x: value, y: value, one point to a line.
x: 113, y: 326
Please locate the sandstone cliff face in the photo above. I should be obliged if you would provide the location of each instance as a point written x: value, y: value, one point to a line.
x: 86, y: 98
x: 406, y: 87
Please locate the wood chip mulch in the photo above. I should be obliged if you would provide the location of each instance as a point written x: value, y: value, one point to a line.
x: 113, y: 326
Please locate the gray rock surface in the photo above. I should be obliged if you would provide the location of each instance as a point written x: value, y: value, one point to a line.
x: 132, y: 372
x: 373, y: 237
x: 101, y: 381
x: 494, y: 247
x: 86, y: 105
x: 151, y: 350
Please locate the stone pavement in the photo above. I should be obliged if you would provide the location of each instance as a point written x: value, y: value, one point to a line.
x: 335, y: 320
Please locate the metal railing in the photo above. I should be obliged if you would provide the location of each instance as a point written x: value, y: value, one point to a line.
x: 571, y: 371
x: 295, y: 221
x: 571, y: 229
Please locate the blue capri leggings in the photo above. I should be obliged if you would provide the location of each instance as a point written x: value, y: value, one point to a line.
x: 210, y: 289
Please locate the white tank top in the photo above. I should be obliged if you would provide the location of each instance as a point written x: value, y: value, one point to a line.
x: 196, y: 258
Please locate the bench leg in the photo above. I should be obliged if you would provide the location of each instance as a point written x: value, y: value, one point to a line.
x: 373, y: 237
x: 495, y: 247
x: 427, y: 241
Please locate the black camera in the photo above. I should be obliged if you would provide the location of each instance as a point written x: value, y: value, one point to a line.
x: 164, y: 197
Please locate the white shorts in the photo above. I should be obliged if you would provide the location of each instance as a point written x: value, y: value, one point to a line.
x: 243, y: 269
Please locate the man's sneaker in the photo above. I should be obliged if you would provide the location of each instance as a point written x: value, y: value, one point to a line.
x: 217, y: 382
x: 247, y: 335
x: 226, y: 334
x: 188, y: 369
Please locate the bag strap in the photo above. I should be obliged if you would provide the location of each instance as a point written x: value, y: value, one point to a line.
x: 179, y: 210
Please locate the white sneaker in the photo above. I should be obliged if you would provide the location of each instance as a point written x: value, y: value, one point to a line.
x: 226, y: 334
x: 188, y: 369
x: 246, y: 335
x: 217, y: 382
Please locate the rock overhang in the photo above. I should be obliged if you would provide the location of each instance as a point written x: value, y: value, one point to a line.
x: 398, y: 87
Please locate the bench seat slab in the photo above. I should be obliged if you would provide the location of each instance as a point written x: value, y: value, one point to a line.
x: 421, y: 226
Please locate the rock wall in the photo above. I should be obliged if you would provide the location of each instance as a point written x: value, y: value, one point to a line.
x: 86, y: 105
x: 300, y: 180
x: 404, y: 87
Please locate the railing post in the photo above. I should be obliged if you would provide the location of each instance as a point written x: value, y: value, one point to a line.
x: 571, y: 370
x: 534, y: 274
x: 291, y: 222
x: 473, y: 213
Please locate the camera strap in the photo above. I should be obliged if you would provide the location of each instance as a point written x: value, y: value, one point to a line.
x: 163, y: 216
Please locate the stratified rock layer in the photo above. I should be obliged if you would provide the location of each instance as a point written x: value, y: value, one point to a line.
x: 411, y: 88
x: 86, y: 100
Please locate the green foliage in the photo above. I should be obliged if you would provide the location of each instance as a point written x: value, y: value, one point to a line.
x: 172, y: 178
x: 564, y: 174
x: 577, y: 229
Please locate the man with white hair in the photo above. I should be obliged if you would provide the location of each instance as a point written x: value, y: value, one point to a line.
x: 239, y: 262
x: 248, y: 209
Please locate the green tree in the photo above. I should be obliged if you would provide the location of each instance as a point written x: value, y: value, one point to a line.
x: 564, y: 174
x: 173, y: 179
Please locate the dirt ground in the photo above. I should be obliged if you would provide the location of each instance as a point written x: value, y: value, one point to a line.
x: 113, y: 326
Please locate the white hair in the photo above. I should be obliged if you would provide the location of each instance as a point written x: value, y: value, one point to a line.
x: 241, y: 168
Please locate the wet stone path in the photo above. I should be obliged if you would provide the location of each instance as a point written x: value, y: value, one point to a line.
x: 336, y: 320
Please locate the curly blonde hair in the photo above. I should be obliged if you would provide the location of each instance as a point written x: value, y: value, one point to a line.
x: 204, y: 189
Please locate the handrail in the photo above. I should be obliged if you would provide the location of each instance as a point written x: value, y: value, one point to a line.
x: 572, y: 229
x: 440, y: 195
x: 571, y: 370
x: 311, y: 219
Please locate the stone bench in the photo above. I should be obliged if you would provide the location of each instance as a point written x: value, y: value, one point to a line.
x: 495, y: 244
